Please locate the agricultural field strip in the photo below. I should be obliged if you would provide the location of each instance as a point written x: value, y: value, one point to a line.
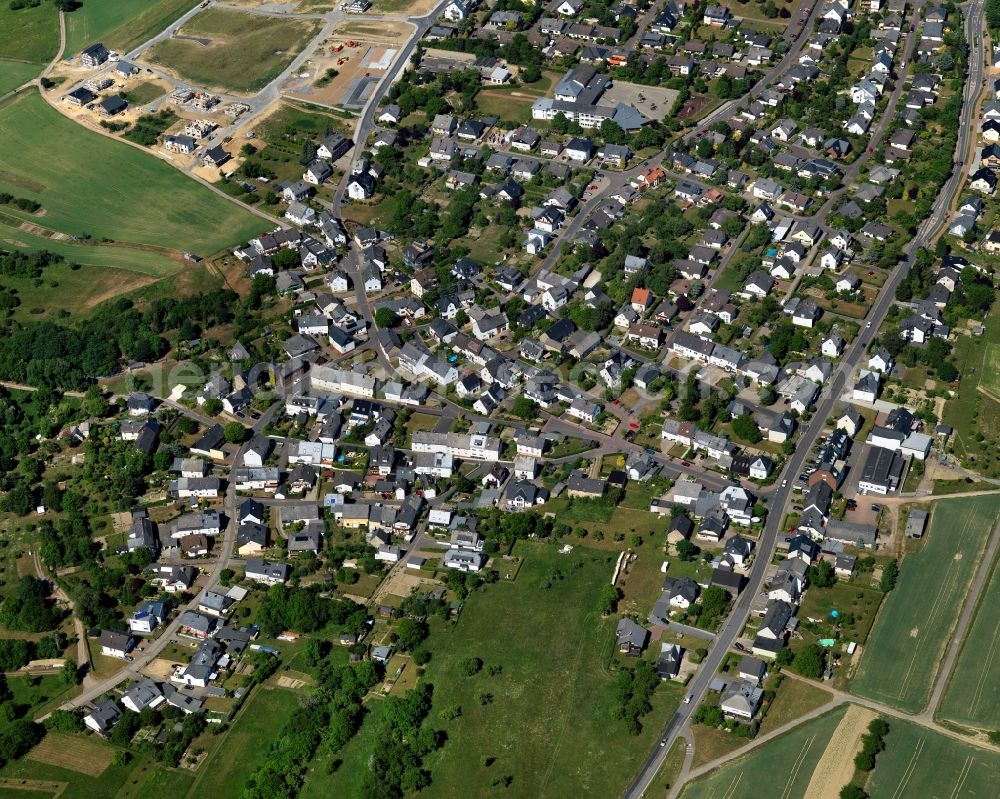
x: 901, y: 617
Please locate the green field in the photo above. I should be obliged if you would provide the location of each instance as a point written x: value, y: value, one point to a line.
x: 971, y: 697
x: 901, y: 659
x: 120, y: 25
x: 348, y: 777
x: 920, y: 762
x: 225, y: 772
x: 550, y: 726
x: 245, y: 53
x: 989, y: 380
x: 785, y: 765
x: 29, y: 34
x: 88, y: 184
x: 144, y: 92
x: 16, y: 73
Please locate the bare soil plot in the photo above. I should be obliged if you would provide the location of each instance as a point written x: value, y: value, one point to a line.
x: 381, y: 31
x: 160, y: 669
x: 350, y: 64
x: 72, y: 752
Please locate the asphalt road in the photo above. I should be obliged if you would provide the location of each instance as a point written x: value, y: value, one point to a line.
x: 849, y: 362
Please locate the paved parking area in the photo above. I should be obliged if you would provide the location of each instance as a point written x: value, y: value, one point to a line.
x: 629, y: 93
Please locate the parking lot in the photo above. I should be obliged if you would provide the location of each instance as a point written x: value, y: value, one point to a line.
x: 652, y: 102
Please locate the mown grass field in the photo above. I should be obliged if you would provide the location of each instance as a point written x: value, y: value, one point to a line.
x: 784, y: 765
x: 550, y: 724
x: 246, y: 51
x: 144, y: 92
x: 920, y: 762
x: 224, y: 773
x: 971, y: 697
x: 29, y: 34
x: 120, y: 25
x: 15, y: 73
x: 901, y: 658
x: 88, y: 184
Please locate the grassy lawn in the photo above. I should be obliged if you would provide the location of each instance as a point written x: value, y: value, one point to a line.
x: 226, y: 770
x: 14, y: 73
x: 504, y: 105
x: 130, y: 196
x: 786, y: 764
x: 970, y: 698
x: 49, y: 693
x: 421, y: 422
x: 671, y: 767
x: 245, y: 53
x: 793, y: 700
x: 860, y: 601
x: 945, y: 487
x: 921, y: 762
x: 570, y: 446
x: 901, y: 658
x: 120, y: 26
x: 144, y: 93
x: 29, y: 34
x: 711, y: 743
x: 551, y: 724
x: 152, y: 781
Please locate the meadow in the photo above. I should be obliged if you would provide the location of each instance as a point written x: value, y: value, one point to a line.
x: 121, y: 26
x: 90, y: 185
x: 16, y: 73
x: 244, y: 54
x: 550, y: 724
x: 901, y: 658
x: 29, y: 34
x: 785, y: 765
x: 224, y: 773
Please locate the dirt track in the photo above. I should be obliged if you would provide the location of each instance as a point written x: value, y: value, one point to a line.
x: 836, y: 767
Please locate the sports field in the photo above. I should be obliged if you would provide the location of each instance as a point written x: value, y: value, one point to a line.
x: 233, y: 50
x: 901, y: 658
x: 90, y: 185
x: 918, y: 762
x: 550, y: 724
x: 972, y: 697
x: 780, y: 769
x: 120, y: 26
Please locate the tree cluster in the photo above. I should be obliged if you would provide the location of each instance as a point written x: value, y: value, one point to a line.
x: 304, y: 609
x: 633, y: 694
